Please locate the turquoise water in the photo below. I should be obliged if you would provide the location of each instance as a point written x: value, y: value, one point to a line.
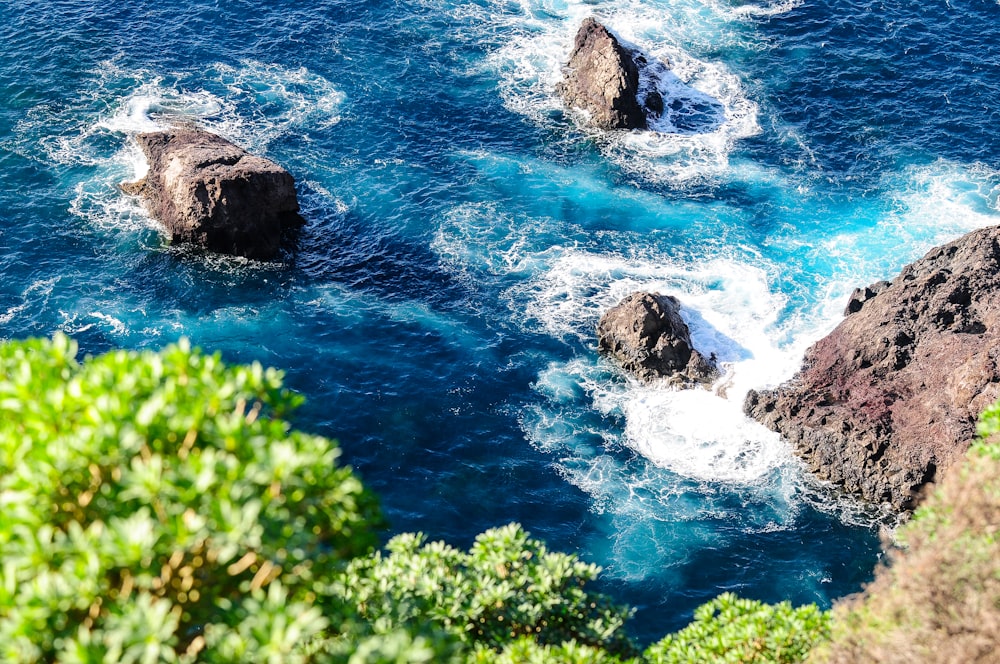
x: 465, y: 233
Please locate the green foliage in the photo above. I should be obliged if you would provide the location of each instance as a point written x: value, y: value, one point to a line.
x: 988, y: 429
x: 525, y: 650
x: 507, y: 587
x: 155, y: 507
x: 733, y: 630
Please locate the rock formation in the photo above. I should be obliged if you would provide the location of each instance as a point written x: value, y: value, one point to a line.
x: 891, y: 396
x: 602, y: 77
x: 646, y: 334
x: 210, y: 192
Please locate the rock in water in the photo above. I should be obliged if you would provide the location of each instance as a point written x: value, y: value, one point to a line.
x: 646, y: 334
x: 603, y: 78
x: 892, y: 395
x: 210, y: 192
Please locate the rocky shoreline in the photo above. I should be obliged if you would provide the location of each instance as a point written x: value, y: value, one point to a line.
x: 890, y: 398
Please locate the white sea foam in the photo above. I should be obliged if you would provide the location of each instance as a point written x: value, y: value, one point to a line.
x: 699, y: 435
x: 155, y: 104
x: 37, y: 294
x: 270, y: 101
x: 664, y: 506
x: 587, y: 408
x: 708, y: 109
x: 757, y: 310
x: 921, y: 207
x: 481, y: 239
x: 253, y: 104
x: 764, y: 10
x: 111, y: 323
x: 945, y: 199
x: 728, y: 304
x: 730, y: 310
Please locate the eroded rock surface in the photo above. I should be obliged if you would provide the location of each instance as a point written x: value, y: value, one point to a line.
x: 646, y: 334
x: 207, y: 191
x: 602, y: 77
x: 891, y: 396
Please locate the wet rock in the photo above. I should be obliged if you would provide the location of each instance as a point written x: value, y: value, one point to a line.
x: 207, y: 191
x: 891, y: 396
x: 646, y: 334
x: 602, y: 77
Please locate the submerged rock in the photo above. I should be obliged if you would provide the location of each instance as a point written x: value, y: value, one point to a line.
x: 207, y: 191
x: 891, y: 396
x: 646, y: 334
x: 602, y: 77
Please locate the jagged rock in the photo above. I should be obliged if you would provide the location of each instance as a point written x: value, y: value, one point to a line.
x: 646, y: 334
x: 891, y: 396
x: 207, y: 191
x: 602, y: 77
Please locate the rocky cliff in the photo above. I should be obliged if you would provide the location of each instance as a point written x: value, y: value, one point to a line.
x: 891, y: 396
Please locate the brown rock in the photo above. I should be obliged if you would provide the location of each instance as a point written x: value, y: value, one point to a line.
x: 602, y: 78
x: 891, y: 396
x: 207, y: 191
x: 646, y: 334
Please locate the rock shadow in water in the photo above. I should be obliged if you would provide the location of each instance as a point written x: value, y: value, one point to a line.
x: 672, y: 106
x: 713, y: 341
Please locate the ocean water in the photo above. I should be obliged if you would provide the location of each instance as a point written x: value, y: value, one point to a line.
x: 465, y: 232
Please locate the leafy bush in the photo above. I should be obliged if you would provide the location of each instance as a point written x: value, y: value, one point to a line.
x: 939, y: 598
x: 733, y: 630
x: 507, y: 586
x: 155, y: 507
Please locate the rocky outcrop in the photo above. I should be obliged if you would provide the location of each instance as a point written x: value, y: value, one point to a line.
x: 207, y: 191
x: 602, y: 77
x: 890, y: 398
x: 646, y: 334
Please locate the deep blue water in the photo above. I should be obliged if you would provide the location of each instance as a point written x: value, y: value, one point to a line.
x: 465, y: 233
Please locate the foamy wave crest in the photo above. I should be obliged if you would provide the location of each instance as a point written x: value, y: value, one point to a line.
x: 763, y: 10
x: 253, y: 104
x: 711, y: 112
x: 693, y: 433
x: 154, y: 105
x: 707, y: 109
x: 482, y: 240
x: 270, y: 101
x: 699, y: 435
x: 919, y: 207
x: 945, y: 199
x: 728, y: 305
x: 730, y: 311
x: 671, y: 473
x: 35, y: 295
x: 662, y: 489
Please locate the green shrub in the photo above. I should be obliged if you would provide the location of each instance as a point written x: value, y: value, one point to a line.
x: 156, y: 507
x: 733, y: 630
x: 507, y: 586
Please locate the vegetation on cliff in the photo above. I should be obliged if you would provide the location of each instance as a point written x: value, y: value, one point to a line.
x: 938, y: 599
